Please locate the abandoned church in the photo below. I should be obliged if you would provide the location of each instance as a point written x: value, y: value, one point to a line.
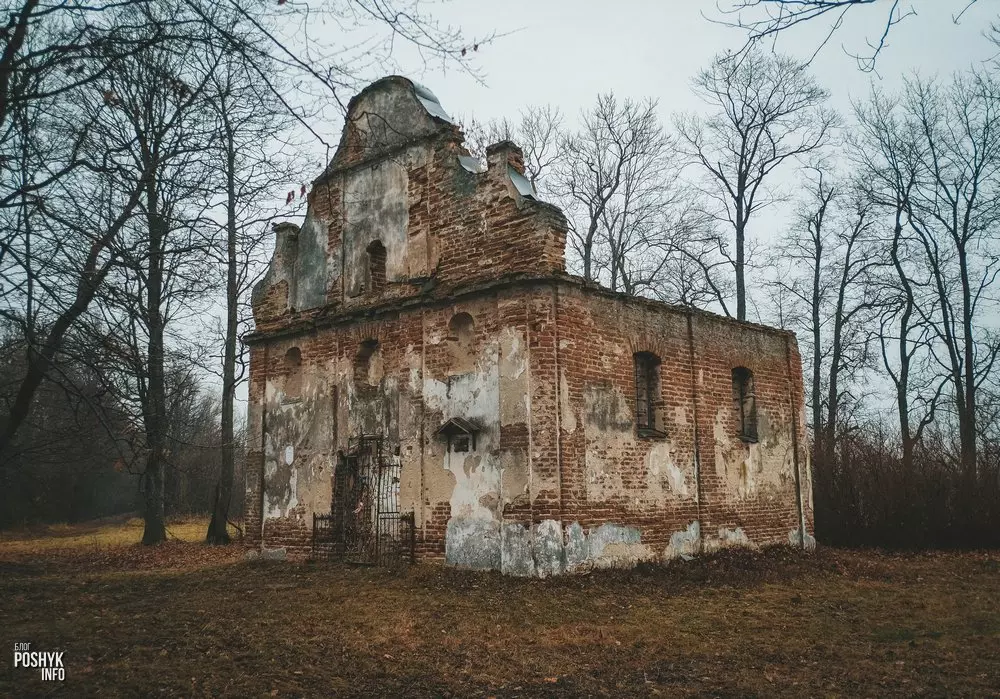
x: 427, y: 380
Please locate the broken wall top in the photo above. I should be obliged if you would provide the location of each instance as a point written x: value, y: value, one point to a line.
x: 403, y: 211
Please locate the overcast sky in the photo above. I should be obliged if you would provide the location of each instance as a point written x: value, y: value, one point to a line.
x: 565, y: 52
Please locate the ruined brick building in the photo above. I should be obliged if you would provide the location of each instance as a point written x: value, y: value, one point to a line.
x: 424, y: 370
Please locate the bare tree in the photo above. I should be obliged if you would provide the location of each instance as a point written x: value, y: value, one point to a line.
x: 768, y: 111
x: 247, y: 157
x: 828, y: 264
x: 618, y: 183
x: 58, y: 55
x: 766, y: 19
x: 538, y: 131
x: 882, y: 149
x: 953, y: 213
x: 935, y: 151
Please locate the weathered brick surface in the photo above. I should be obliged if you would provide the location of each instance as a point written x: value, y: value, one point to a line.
x: 545, y: 371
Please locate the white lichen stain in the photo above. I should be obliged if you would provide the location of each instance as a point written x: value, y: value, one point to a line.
x: 795, y: 539
x: 623, y: 556
x: 664, y: 479
x: 603, y: 479
x: 752, y: 469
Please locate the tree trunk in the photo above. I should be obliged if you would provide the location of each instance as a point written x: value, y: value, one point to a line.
x: 155, y: 410
x: 817, y: 359
x: 741, y: 285
x: 217, y: 532
x: 967, y: 412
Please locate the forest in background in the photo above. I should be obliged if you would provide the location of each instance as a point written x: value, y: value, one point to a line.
x: 148, y: 145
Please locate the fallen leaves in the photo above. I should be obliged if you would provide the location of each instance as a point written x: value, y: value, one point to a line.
x: 186, y: 619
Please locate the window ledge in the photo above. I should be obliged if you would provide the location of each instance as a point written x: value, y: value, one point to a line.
x: 650, y: 433
x: 749, y: 439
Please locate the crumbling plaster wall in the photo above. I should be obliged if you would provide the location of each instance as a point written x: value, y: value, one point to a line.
x: 559, y: 480
x: 291, y: 424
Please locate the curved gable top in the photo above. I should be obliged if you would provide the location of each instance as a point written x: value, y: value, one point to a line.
x: 387, y: 114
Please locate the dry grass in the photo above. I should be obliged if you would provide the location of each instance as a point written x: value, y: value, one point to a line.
x: 189, y: 620
x: 111, y: 532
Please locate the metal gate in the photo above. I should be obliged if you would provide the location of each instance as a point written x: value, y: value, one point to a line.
x: 365, y: 526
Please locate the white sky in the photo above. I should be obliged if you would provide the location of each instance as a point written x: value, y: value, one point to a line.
x: 566, y: 52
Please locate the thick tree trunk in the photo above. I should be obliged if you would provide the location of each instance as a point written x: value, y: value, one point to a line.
x: 741, y: 285
x: 155, y: 530
x: 742, y: 214
x: 217, y: 532
x: 967, y: 412
x: 155, y: 410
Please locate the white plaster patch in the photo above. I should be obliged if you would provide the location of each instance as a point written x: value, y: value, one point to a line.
x: 731, y: 537
x: 685, y: 543
x: 568, y: 416
x: 680, y: 415
x: 289, y: 455
x: 678, y: 483
x: 475, y: 397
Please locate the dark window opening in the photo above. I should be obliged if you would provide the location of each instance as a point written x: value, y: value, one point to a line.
x: 648, y: 408
x: 745, y: 404
x: 376, y: 265
x: 460, y: 443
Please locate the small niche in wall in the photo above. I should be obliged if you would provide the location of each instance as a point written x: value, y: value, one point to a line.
x: 461, y: 344
x: 293, y: 374
x: 648, y: 395
x: 368, y: 369
x: 745, y: 404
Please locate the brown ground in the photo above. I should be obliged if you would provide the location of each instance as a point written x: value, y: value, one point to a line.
x: 188, y: 620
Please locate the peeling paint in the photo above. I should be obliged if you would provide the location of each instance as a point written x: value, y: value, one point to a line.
x: 684, y: 543
x: 548, y: 550
x: 517, y: 557
x: 473, y: 543
x: 727, y: 538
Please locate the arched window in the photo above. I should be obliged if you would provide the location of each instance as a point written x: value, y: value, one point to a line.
x: 745, y: 404
x: 368, y: 364
x: 648, y: 409
x: 376, y: 265
x: 460, y: 328
x: 293, y: 372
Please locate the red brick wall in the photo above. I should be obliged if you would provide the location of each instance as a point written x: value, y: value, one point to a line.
x: 577, y: 340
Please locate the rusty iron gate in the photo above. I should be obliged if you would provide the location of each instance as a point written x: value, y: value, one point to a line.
x: 365, y: 526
